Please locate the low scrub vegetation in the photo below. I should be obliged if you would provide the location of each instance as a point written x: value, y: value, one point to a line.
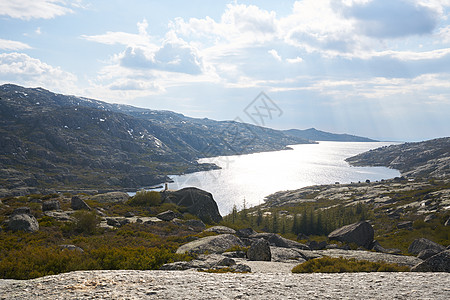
x: 343, y: 265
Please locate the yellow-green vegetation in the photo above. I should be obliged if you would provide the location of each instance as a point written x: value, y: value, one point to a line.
x: 132, y: 246
x: 145, y: 198
x: 238, y: 248
x: 221, y: 270
x: 344, y: 265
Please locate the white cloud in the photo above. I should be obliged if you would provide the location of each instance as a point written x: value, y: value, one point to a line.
x: 33, y: 9
x: 275, y: 54
x: 12, y: 45
x: 22, y: 69
x: 294, y: 60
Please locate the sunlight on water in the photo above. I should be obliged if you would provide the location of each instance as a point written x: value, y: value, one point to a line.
x: 255, y: 176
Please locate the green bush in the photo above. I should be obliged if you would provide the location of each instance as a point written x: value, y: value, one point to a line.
x: 343, y: 265
x: 86, y: 222
x: 145, y: 198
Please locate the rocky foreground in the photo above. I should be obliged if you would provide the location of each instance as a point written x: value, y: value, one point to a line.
x: 132, y: 284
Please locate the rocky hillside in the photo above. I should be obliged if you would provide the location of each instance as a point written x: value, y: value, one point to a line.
x: 318, y: 135
x: 423, y: 159
x: 50, y: 140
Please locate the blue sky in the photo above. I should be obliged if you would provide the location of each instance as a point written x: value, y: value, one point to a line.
x: 373, y: 68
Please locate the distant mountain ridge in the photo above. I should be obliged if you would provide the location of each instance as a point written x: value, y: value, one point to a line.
x: 318, y: 135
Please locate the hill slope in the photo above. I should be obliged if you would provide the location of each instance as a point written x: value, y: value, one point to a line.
x: 50, y: 140
x: 423, y: 159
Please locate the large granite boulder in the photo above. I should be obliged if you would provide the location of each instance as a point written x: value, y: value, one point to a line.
x: 418, y: 245
x: 245, y: 233
x: 167, y: 215
x: 437, y: 263
x: 111, y: 197
x: 259, y: 250
x: 360, y: 233
x: 51, y: 205
x: 198, y: 202
x: 76, y: 203
x: 22, y: 220
x: 221, y: 230
x: 279, y: 241
x: 211, y: 244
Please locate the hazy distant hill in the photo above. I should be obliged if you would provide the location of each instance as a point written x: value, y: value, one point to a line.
x: 53, y: 140
x: 423, y: 159
x: 318, y: 135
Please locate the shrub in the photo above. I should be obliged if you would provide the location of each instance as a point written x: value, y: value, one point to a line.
x: 343, y: 265
x: 145, y: 198
x: 86, y: 222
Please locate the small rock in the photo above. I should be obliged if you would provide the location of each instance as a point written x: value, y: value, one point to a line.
x: 59, y: 216
x: 302, y: 236
x: 22, y: 210
x: 71, y: 248
x: 313, y: 245
x: 447, y: 223
x: 51, y: 205
x: 235, y: 254
x: 23, y: 222
x: 259, y: 250
x: 241, y: 268
x: 211, y: 244
x: 427, y: 253
x: 226, y: 262
x: 129, y: 214
x: 421, y: 244
x: 166, y: 216
x: 221, y: 230
x: 195, y: 224
x: 279, y: 241
x: 405, y: 225
x: 77, y: 203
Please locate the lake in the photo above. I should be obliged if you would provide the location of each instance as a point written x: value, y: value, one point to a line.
x: 254, y: 176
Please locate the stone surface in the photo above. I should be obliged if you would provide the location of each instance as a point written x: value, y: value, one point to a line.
x: 76, y: 203
x: 71, y: 248
x: 195, y: 223
x: 405, y: 225
x: 211, y: 244
x: 51, y: 205
x: 436, y: 263
x: 421, y: 244
x: 280, y: 254
x: 198, y: 202
x: 427, y: 253
x: 111, y: 197
x: 167, y: 215
x: 59, y: 216
x: 259, y: 250
x: 221, y: 230
x: 133, y: 284
x: 360, y: 233
x: 245, y: 233
x: 23, y: 222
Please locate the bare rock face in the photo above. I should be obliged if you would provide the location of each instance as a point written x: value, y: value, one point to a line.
x: 211, y: 244
x: 437, y: 263
x: 360, y: 233
x: 51, y: 205
x: 259, y: 250
x: 198, y: 202
x: 22, y: 220
x: 421, y: 244
x: 77, y: 204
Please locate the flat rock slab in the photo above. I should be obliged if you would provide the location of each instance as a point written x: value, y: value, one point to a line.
x: 130, y: 284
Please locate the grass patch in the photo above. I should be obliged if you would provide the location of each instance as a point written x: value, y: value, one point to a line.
x: 344, y: 265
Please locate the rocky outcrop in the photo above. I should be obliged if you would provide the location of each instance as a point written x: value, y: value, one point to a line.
x: 259, y: 250
x: 111, y: 197
x: 198, y: 202
x: 360, y: 233
x: 22, y: 220
x: 208, y: 262
x: 195, y: 224
x: 51, y: 205
x: 421, y: 244
x: 76, y: 203
x: 436, y: 263
x: 211, y: 244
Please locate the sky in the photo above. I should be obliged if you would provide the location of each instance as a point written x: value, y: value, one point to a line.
x: 375, y: 68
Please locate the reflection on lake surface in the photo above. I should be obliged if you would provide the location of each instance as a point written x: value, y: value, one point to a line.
x: 254, y: 176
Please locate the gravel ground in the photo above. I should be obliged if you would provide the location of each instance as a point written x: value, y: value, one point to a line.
x: 132, y: 284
